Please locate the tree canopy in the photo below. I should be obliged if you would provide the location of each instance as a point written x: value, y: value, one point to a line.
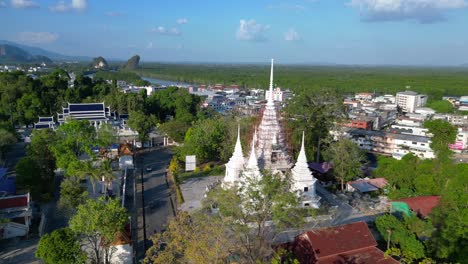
x: 60, y: 247
x: 99, y: 222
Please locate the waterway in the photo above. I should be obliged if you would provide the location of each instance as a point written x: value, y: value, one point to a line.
x: 165, y: 82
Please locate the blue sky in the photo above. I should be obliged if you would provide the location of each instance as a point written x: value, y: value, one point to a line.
x: 404, y: 32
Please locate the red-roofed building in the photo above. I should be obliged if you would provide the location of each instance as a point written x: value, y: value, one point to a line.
x: 17, y: 211
x: 351, y: 243
x: 422, y: 205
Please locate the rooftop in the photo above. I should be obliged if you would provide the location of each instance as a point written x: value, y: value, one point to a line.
x: 422, y: 205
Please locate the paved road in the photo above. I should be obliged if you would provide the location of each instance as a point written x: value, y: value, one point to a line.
x: 157, y: 195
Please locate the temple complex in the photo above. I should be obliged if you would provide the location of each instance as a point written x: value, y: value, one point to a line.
x: 269, y: 152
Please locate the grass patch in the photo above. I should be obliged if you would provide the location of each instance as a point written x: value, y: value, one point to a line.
x: 207, y: 170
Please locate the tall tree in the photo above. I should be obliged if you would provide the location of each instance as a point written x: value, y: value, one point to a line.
x: 196, y: 238
x: 60, y: 247
x: 394, y: 230
x: 315, y: 113
x: 257, y: 211
x: 6, y: 140
x: 443, y: 134
x: 99, y: 222
x: 74, y: 138
x: 347, y: 160
x: 141, y: 123
x: 449, y: 242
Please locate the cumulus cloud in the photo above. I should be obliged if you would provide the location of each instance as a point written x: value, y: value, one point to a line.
x: 181, y: 21
x: 166, y: 31
x: 250, y: 30
x: 62, y: 6
x: 292, y: 35
x: 424, y: 11
x: 23, y: 4
x: 38, y: 37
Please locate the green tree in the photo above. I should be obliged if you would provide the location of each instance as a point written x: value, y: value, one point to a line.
x: 347, y: 160
x: 6, y: 140
x: 105, y: 135
x: 141, y: 123
x: 196, y: 238
x: 450, y: 239
x: 204, y: 139
x: 72, y: 194
x: 443, y: 134
x: 396, y: 233
x: 99, y: 222
x: 102, y: 172
x: 74, y: 138
x: 60, y: 247
x: 247, y: 209
x: 315, y: 113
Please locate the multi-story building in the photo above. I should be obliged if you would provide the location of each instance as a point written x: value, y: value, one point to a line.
x: 418, y: 145
x: 409, y: 100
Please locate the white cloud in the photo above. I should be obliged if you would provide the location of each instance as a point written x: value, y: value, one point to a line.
x: 79, y: 4
x: 181, y: 21
x: 292, y: 35
x: 62, y: 6
x: 38, y: 37
x: 424, y: 11
x: 251, y: 31
x: 23, y: 4
x: 166, y: 31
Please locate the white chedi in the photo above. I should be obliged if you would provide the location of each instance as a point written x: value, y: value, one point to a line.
x: 303, y: 181
x: 236, y: 163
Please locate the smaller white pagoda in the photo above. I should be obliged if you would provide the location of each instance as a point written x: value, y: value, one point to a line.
x: 303, y: 181
x: 236, y: 163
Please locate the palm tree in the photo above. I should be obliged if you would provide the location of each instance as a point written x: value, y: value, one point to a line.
x: 96, y: 174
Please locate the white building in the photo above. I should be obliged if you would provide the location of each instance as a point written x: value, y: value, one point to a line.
x: 404, y: 144
x: 278, y: 94
x: 410, y: 100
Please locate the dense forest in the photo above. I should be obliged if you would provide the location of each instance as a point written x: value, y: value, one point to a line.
x: 435, y: 82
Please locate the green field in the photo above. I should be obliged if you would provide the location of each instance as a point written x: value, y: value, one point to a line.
x: 435, y: 82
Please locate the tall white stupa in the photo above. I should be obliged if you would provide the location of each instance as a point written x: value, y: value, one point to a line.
x: 303, y: 181
x: 271, y: 147
x: 236, y: 163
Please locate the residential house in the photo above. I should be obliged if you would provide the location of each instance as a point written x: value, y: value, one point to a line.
x: 17, y: 211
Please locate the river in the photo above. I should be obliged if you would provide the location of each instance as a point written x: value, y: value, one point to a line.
x: 165, y: 82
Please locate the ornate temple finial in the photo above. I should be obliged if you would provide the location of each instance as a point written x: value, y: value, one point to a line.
x: 270, y: 97
x: 238, y: 147
x: 253, y: 162
x: 302, y: 156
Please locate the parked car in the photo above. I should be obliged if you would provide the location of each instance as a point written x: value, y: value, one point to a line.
x: 149, y: 169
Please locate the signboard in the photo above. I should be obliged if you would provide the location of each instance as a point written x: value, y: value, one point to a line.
x: 190, y: 163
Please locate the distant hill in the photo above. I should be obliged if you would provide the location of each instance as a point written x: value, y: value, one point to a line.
x: 42, y: 52
x: 100, y: 63
x: 12, y: 54
x: 132, y: 63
